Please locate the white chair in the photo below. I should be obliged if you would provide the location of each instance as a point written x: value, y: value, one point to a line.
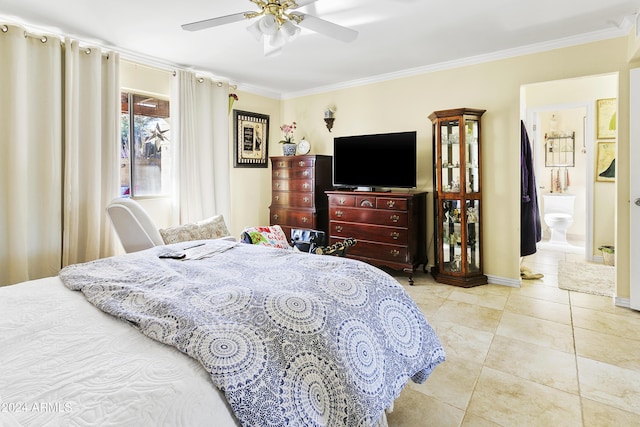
x: 133, y: 225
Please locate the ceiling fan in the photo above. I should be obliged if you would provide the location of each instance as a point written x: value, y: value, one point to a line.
x: 279, y: 23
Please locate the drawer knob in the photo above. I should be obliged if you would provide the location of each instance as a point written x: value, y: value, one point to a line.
x: 391, y: 203
x: 305, y: 185
x: 305, y: 219
x: 394, y: 218
x: 281, y: 164
x: 276, y: 198
x: 305, y: 173
x: 339, y: 214
x: 277, y: 184
x: 395, y: 235
x: 395, y: 252
x: 275, y: 217
x: 301, y: 163
x: 366, y: 203
x: 342, y: 200
x: 338, y: 228
x: 277, y: 173
x: 306, y: 200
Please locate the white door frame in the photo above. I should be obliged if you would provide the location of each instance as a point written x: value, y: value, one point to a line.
x: 533, y: 126
x: 634, y: 188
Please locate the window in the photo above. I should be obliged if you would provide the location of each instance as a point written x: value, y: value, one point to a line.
x: 145, y: 160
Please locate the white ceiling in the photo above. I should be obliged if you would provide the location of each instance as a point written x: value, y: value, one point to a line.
x: 396, y: 37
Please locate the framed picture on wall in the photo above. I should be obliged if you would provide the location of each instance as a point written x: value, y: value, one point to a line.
x: 250, y: 139
x: 606, y: 162
x: 607, y: 120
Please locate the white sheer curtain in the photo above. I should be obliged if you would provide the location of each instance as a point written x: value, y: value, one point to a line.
x: 91, y: 156
x: 30, y: 155
x: 200, y: 121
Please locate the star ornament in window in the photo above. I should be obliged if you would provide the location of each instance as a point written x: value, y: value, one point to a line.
x: 157, y: 136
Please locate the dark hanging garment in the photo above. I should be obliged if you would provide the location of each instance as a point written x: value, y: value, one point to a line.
x: 530, y: 226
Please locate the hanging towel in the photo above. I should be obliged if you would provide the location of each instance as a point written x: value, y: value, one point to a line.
x: 530, y: 225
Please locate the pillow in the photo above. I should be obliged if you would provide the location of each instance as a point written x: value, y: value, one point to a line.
x: 210, y: 228
x: 266, y: 236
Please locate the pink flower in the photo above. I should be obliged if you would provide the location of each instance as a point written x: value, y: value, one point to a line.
x: 287, y: 132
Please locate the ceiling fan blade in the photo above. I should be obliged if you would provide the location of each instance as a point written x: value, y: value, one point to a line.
x: 327, y: 28
x: 214, y: 22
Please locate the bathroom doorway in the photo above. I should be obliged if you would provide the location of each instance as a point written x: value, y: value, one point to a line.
x: 568, y: 108
x: 562, y: 155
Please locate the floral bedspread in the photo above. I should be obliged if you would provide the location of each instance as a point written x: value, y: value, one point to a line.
x: 292, y: 339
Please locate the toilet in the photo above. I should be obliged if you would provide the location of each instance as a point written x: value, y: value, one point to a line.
x: 558, y: 215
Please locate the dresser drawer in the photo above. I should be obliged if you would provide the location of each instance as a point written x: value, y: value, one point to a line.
x: 306, y: 173
x: 373, y: 233
x: 282, y: 163
x: 379, y: 251
x: 369, y: 216
x: 293, y: 218
x: 297, y: 200
x: 303, y: 163
x: 281, y: 173
x: 292, y: 185
x: 341, y: 200
x: 302, y: 173
x: 365, y: 201
x: 391, y: 203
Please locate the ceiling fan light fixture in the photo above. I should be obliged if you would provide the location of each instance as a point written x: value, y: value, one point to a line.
x: 277, y: 40
x: 254, y: 29
x: 289, y: 30
x: 268, y: 24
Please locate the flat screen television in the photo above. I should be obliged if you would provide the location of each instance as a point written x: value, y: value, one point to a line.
x: 375, y: 162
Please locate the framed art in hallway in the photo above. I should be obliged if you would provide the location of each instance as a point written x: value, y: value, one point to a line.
x: 607, y: 120
x: 250, y: 139
x: 606, y: 162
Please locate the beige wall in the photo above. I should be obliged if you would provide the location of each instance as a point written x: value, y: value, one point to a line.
x: 404, y: 104
x: 495, y: 86
x: 251, y: 187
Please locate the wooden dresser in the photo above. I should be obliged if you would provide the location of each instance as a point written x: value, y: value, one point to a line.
x: 298, y: 185
x: 390, y: 227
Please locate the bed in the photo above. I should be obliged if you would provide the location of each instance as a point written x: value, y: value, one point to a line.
x: 235, y: 334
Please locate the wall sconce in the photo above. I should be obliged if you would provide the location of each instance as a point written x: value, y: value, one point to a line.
x: 329, y: 118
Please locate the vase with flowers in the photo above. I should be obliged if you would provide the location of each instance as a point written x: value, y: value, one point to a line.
x: 288, y: 146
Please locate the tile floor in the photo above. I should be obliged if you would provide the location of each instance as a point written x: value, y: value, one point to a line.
x: 530, y: 356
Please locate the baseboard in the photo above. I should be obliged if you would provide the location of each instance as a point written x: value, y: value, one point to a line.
x: 622, y: 302
x: 497, y: 280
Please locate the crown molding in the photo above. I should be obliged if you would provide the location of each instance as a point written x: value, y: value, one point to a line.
x: 596, y: 36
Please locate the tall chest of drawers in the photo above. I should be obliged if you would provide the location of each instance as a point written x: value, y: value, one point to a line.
x: 390, y: 227
x: 298, y: 185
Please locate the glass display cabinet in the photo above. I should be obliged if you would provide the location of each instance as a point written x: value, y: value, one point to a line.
x: 457, y: 177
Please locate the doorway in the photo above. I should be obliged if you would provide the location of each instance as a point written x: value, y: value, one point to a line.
x: 567, y: 109
x: 563, y: 158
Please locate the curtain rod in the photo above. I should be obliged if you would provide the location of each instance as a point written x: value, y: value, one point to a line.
x: 44, y: 35
x: 45, y: 38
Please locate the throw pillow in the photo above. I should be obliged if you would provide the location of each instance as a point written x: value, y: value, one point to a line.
x: 266, y: 236
x: 210, y: 228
